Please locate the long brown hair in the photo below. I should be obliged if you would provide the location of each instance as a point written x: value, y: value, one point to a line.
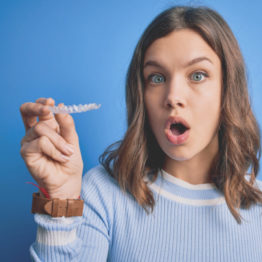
x: 139, y: 154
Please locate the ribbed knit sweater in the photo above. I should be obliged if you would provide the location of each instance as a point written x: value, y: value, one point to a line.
x: 189, y: 223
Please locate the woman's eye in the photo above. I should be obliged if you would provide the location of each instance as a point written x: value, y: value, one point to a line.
x: 156, y: 79
x: 198, y: 76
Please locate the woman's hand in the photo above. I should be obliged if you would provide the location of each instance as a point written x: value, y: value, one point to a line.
x: 50, y: 149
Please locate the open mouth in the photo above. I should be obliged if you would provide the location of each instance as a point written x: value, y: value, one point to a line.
x: 178, y: 129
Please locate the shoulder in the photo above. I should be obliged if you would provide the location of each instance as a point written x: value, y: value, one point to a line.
x: 100, y: 188
x: 98, y: 193
x: 257, y: 183
x: 98, y: 179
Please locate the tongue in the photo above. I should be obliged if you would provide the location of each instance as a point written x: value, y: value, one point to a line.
x: 176, y: 131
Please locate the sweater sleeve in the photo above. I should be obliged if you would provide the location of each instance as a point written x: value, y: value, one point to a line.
x: 85, y: 238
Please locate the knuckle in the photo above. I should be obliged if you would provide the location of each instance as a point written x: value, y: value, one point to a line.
x: 60, y: 141
x: 54, y: 152
x: 22, y: 108
x: 38, y: 128
x: 23, y: 150
x: 39, y: 99
x: 43, y: 141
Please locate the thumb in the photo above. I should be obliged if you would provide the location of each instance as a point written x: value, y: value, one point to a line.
x: 67, y: 127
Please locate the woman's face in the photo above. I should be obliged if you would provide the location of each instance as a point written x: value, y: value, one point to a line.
x: 183, y: 79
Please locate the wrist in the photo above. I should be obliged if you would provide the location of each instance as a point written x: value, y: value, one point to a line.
x: 57, y: 207
x: 58, y: 195
x: 69, y: 190
x: 65, y: 196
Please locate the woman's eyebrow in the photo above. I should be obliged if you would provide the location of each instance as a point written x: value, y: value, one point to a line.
x: 193, y: 61
x: 197, y: 60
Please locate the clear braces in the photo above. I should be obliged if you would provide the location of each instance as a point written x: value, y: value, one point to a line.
x: 73, y: 108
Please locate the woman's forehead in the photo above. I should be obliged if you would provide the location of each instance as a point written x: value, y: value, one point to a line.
x: 181, y: 47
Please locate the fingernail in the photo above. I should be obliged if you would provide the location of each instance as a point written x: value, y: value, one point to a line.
x: 69, y: 148
x: 44, y: 109
x: 64, y: 158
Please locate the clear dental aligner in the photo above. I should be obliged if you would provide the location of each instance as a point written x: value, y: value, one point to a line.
x: 73, y: 108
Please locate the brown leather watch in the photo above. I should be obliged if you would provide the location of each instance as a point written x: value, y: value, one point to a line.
x: 57, y: 207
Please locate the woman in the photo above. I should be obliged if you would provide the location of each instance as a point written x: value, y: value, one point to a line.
x: 190, y: 141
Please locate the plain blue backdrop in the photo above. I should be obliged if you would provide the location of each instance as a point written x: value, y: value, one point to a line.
x: 78, y: 52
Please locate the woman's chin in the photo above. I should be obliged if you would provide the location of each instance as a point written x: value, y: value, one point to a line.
x: 178, y: 157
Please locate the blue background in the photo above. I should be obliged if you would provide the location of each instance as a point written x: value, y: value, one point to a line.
x: 79, y: 52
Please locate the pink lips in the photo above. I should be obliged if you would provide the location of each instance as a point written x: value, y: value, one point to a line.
x: 176, y: 139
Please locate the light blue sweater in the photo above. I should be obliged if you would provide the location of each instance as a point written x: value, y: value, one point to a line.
x: 190, y: 223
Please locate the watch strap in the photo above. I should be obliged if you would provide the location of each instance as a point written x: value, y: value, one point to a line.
x: 57, y: 207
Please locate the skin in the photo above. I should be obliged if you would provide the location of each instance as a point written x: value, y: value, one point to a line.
x: 50, y: 149
x: 174, y: 89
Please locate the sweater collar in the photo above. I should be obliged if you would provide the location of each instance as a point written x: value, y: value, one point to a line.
x: 183, y: 192
x: 180, y: 182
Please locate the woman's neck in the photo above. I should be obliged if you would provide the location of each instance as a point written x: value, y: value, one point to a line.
x: 189, y: 171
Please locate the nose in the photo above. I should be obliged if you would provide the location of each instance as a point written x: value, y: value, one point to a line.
x: 174, y: 103
x: 175, y: 97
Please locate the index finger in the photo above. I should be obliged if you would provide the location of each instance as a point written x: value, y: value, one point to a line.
x: 45, y: 101
x: 30, y: 111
